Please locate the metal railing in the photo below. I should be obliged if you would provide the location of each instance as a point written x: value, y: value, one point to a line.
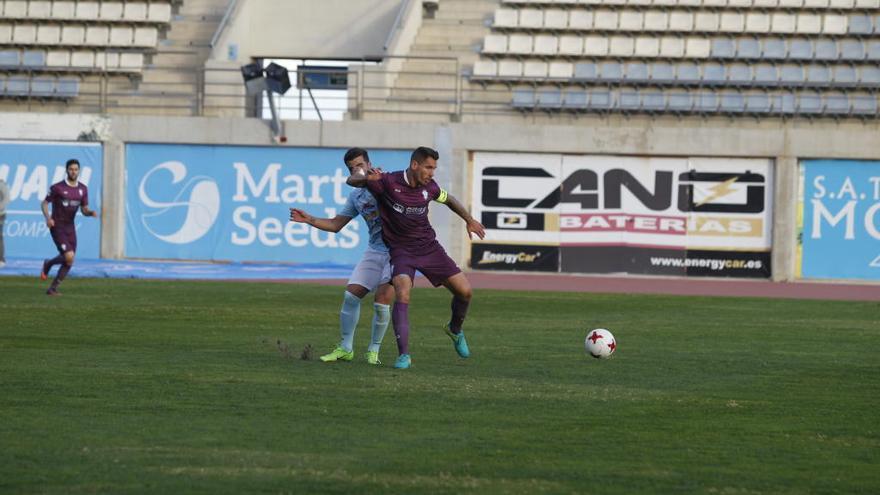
x: 426, y: 88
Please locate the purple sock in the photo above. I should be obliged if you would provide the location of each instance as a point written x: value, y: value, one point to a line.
x: 400, y: 319
x: 459, y: 311
x: 59, y: 277
x: 58, y: 260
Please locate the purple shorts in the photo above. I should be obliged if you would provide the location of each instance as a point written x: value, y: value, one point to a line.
x: 434, y: 264
x: 64, y: 237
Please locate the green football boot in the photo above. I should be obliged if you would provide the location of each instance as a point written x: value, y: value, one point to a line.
x: 373, y: 358
x: 338, y: 354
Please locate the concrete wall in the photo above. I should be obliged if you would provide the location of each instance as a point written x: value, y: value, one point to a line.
x: 329, y: 29
x: 784, y: 142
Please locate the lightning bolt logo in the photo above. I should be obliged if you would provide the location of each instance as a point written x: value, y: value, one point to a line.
x: 719, y: 191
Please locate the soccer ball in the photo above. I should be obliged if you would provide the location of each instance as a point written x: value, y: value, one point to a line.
x: 600, y: 343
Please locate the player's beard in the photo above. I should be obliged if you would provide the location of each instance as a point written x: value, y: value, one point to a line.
x: 72, y: 177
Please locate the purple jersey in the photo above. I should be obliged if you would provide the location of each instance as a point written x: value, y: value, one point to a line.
x: 66, y: 200
x: 404, y: 211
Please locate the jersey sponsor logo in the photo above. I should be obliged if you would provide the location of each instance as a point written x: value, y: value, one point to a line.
x: 197, y: 203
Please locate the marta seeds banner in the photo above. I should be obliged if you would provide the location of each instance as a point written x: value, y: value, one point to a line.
x: 607, y: 214
x: 194, y: 202
x: 29, y: 169
x: 840, y: 204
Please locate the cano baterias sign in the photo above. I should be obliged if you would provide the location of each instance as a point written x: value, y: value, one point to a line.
x: 621, y: 214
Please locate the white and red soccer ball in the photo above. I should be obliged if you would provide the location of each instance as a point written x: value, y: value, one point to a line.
x: 600, y: 343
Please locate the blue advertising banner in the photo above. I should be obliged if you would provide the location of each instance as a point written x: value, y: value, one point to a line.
x: 29, y: 169
x: 231, y: 203
x: 841, y: 219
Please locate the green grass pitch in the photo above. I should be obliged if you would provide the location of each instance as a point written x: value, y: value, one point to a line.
x: 124, y: 386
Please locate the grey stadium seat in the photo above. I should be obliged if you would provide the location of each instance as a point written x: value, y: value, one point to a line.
x: 653, y: 101
x: 586, y: 71
x: 791, y: 75
x: 575, y: 100
x: 705, y: 101
x: 860, y: 25
x: 723, y: 48
x: 837, y: 104
x: 523, y: 98
x: 687, y: 73
x: 629, y: 100
x: 766, y: 75
x: 67, y: 87
x: 599, y: 99
x: 758, y: 103
x: 662, y: 73
x: 852, y: 50
x: 549, y: 98
x: 714, y: 74
x: 784, y: 103
x: 636, y: 72
x: 774, y: 48
x: 42, y: 86
x: 680, y: 102
x: 800, y: 49
x: 845, y: 75
x: 864, y: 105
x: 748, y: 48
x: 732, y: 102
x: 809, y: 103
x: 818, y: 75
x: 825, y: 50
x: 739, y: 75
x: 610, y: 71
x: 874, y: 50
x: 870, y: 76
x: 9, y: 58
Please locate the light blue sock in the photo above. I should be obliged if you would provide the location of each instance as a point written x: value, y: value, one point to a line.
x: 348, y: 319
x: 381, y: 317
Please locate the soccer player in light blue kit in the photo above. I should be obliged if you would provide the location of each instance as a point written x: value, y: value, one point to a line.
x: 372, y: 273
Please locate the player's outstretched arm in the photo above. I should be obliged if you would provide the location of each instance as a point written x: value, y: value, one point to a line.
x: 334, y: 224
x: 472, y: 225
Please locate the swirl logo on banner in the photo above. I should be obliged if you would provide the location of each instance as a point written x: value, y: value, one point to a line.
x: 200, y: 209
x: 231, y: 203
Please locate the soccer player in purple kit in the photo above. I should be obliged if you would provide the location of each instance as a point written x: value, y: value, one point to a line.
x: 403, y: 199
x: 66, y: 198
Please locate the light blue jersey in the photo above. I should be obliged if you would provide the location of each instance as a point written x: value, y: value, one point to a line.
x: 362, y: 202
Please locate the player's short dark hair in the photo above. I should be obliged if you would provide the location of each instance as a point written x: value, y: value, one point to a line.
x: 70, y: 162
x: 353, y: 153
x: 422, y: 153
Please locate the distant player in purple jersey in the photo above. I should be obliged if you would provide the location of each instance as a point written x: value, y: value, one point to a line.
x: 403, y: 199
x: 66, y: 198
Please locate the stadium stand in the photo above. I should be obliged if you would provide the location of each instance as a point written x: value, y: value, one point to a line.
x: 102, y: 56
x: 755, y: 57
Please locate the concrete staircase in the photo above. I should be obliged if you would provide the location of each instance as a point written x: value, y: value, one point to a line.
x: 446, y: 45
x: 172, y: 76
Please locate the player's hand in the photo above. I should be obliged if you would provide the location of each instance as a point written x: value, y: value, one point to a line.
x: 475, y: 227
x: 95, y: 214
x: 297, y: 215
x: 50, y: 223
x: 375, y: 171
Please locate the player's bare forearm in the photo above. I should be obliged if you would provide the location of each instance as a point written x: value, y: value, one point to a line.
x: 456, y: 206
x: 45, y: 207
x: 88, y: 212
x: 334, y: 224
x: 473, y: 226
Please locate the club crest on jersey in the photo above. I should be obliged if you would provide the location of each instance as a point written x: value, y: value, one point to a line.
x: 425, y: 194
